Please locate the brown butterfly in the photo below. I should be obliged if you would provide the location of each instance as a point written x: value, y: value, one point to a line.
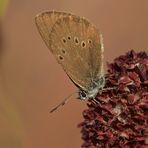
x: 77, y: 45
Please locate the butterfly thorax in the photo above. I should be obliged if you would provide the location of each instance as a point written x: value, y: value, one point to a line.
x: 93, y: 90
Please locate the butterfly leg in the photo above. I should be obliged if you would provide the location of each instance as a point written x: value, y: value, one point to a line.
x: 95, y: 102
x: 109, y: 88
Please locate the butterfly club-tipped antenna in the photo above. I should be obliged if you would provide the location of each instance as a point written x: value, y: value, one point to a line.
x: 63, y: 102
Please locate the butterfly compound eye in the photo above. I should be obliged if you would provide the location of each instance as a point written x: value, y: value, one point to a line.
x: 83, y: 95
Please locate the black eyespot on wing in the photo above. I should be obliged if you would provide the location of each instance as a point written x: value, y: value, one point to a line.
x: 64, y: 40
x: 69, y: 37
x: 63, y: 51
x: 89, y: 41
x: 83, y: 44
x: 60, y: 57
x: 76, y: 40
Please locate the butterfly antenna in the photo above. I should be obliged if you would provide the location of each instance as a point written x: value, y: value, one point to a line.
x: 62, y: 103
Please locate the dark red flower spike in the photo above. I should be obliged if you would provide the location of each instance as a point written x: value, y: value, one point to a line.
x: 120, y: 119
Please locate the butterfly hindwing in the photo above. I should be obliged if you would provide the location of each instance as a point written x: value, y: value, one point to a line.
x: 76, y: 44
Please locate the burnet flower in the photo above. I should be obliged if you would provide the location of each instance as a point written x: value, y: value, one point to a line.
x: 119, y: 119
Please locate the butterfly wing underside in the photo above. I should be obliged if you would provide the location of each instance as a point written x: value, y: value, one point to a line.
x: 75, y: 43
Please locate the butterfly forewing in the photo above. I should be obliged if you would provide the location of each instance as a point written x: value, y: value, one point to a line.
x: 75, y: 43
x: 45, y: 21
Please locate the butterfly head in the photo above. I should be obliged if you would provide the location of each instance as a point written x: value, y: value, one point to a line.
x: 93, y: 90
x: 88, y: 94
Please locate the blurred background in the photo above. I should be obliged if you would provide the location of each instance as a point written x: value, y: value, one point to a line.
x: 31, y: 81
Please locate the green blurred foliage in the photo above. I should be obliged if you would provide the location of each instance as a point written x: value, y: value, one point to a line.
x: 11, y: 131
x: 11, y: 128
x: 3, y: 7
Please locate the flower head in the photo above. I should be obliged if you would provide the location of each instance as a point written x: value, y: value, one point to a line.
x: 119, y: 119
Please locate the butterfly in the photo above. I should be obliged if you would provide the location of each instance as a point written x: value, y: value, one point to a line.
x: 77, y: 46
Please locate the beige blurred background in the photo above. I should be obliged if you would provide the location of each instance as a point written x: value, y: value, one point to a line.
x: 31, y: 80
